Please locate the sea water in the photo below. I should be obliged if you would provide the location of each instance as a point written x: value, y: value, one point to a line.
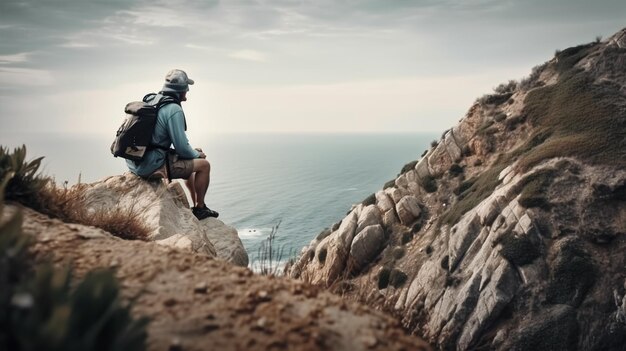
x: 305, y: 182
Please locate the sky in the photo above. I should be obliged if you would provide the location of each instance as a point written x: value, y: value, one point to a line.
x: 340, y: 66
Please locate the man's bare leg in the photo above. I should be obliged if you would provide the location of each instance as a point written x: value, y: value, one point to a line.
x: 202, y: 169
x: 190, y: 183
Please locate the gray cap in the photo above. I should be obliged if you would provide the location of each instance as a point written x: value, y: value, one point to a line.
x: 177, y: 81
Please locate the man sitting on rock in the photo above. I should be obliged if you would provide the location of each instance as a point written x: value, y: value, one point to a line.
x: 185, y: 162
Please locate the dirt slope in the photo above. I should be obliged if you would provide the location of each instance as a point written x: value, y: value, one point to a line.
x: 198, y: 303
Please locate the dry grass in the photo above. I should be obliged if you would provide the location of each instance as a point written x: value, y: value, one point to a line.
x: 25, y: 184
x: 475, y: 191
x: 68, y: 205
x: 581, y: 118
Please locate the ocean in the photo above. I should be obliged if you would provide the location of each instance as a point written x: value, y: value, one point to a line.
x: 305, y: 182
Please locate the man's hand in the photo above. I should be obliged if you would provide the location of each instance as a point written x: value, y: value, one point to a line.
x: 202, y: 154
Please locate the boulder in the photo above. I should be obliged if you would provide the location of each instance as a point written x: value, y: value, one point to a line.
x: 408, y: 209
x: 369, y: 216
x: 366, y: 245
x: 165, y: 211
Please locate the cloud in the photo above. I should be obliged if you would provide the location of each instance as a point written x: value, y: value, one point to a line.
x: 249, y: 55
x: 77, y: 45
x: 14, y: 58
x: 13, y: 78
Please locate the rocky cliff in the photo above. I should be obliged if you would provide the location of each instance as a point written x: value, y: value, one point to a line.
x: 509, y: 233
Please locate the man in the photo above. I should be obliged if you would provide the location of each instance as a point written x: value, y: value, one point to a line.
x: 185, y: 162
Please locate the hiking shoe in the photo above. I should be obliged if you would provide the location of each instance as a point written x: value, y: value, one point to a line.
x: 200, y: 213
x: 203, y: 212
x: 212, y: 213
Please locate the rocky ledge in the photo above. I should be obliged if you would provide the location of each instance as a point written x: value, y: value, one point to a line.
x: 164, y: 210
x: 510, y: 232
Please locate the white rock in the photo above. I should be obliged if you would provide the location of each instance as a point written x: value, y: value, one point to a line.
x: 165, y: 213
x: 369, y: 216
x: 408, y: 209
x: 383, y: 201
x: 366, y: 245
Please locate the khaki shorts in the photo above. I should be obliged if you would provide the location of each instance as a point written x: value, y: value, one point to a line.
x: 180, y: 168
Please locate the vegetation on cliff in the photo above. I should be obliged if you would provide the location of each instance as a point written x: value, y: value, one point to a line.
x: 32, y: 189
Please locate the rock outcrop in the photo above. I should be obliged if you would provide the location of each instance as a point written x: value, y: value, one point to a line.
x: 165, y: 211
x: 510, y: 233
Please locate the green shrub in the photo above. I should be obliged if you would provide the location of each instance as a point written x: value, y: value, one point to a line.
x: 370, y: 200
x: 408, y: 167
x: 518, y: 250
x: 383, y: 278
x: 389, y: 184
x: 25, y: 183
x: 505, y: 88
x: 429, y: 184
x: 494, y: 99
x: 534, y: 189
x: 532, y: 80
x: 397, y: 278
x: 455, y: 170
x: 572, y: 275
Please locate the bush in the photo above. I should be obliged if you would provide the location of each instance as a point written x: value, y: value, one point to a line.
x: 455, y: 170
x: 24, y: 183
x: 494, y: 99
x: 534, y: 189
x: 40, y: 308
x: 383, y: 278
x: 572, y: 275
x: 389, y: 184
x: 506, y: 88
x: 532, y: 80
x: 519, y: 250
x: 408, y: 167
x: 370, y: 200
x: 429, y: 184
x: 397, y: 278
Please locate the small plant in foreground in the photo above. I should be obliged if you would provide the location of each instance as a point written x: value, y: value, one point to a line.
x: 269, y: 256
x: 25, y: 183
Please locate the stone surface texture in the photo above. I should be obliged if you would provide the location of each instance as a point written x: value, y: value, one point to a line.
x: 503, y: 273
x: 165, y: 211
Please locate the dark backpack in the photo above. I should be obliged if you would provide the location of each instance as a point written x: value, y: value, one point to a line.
x: 134, y: 136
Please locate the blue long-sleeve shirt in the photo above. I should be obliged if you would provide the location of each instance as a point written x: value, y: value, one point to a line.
x: 169, y: 129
